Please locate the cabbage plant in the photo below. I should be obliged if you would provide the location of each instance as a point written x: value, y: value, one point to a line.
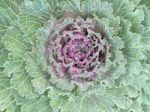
x: 74, y: 56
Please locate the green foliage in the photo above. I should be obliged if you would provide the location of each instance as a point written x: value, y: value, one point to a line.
x: 26, y: 83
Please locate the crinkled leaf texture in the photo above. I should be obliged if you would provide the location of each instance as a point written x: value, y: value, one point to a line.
x: 27, y: 84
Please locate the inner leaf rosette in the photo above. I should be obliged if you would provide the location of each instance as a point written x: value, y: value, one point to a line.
x: 78, y: 49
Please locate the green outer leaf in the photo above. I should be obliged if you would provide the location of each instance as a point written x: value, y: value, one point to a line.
x: 61, y: 83
x: 32, y: 12
x: 14, y: 41
x: 140, y: 80
x: 8, y: 13
x: 90, y: 103
x: 57, y: 103
x: 75, y: 6
x: 15, y: 64
x: 101, y: 9
x: 146, y: 21
x: 41, y: 36
x: 5, y: 92
x: 136, y: 107
x: 132, y: 92
x: 40, y: 84
x: 146, y: 108
x: 145, y: 2
x: 10, y: 6
x: 3, y: 55
x: 33, y: 64
x: 22, y: 83
x: 122, y: 8
x: 118, y: 97
x: 12, y: 107
x: 98, y: 89
x: 36, y: 105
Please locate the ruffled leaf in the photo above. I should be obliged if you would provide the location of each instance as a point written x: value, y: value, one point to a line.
x: 40, y: 84
x: 5, y: 91
x: 91, y: 103
x: 33, y: 64
x: 38, y: 105
x: 15, y: 42
x: 14, y: 65
x: 132, y: 92
x: 3, y: 55
x: 136, y: 107
x: 22, y: 83
x: 61, y: 83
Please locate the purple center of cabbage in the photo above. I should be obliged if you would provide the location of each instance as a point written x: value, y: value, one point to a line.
x: 77, y: 51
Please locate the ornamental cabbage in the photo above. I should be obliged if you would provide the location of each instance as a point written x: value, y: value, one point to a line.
x: 78, y: 49
x: 74, y: 56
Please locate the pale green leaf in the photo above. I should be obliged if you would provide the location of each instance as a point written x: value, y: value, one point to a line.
x: 137, y: 28
x: 57, y: 103
x: 145, y: 40
x: 146, y: 87
x: 87, y: 7
x: 145, y: 98
x: 117, y: 42
x: 75, y: 5
x: 146, y: 21
x: 58, y: 98
x: 12, y: 107
x: 122, y: 7
x: 140, y: 80
x: 145, y: 2
x: 8, y: 13
x: 33, y: 64
x: 56, y: 7
x: 5, y: 21
x: 134, y: 54
x: 22, y: 83
x: 117, y: 95
x: 127, y: 79
x: 125, y: 25
x: 138, y: 16
x: 98, y: 89
x: 5, y: 92
x: 40, y: 84
x: 136, y: 2
x: 15, y: 64
x: 132, y: 92
x: 134, y: 67
x: 90, y: 103
x: 10, y: 6
x: 136, y: 107
x: 36, y: 105
x: 41, y: 37
x: 18, y: 2
x: 54, y: 93
x: 33, y: 15
x: 114, y: 23
x: 146, y: 108
x: 101, y: 9
x: 36, y: 10
x: 132, y: 39
x: 61, y: 83
x: 3, y: 55
x: 15, y: 42
x: 123, y: 102
x: 114, y: 73
x: 28, y: 26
